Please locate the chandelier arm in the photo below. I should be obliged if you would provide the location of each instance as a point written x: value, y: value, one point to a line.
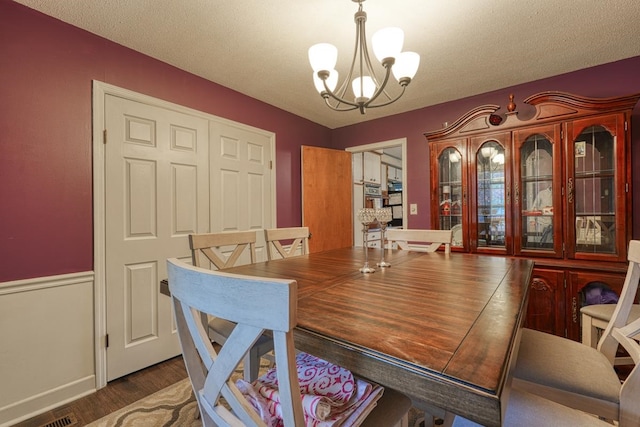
x: 336, y: 97
x: 380, y: 88
x: 339, y: 95
x: 367, y: 59
x: 390, y: 101
x: 337, y: 108
x: 361, y: 44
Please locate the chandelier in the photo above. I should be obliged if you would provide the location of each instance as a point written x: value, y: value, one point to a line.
x: 366, y: 86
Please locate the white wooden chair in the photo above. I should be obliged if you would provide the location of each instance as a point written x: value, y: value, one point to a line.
x: 214, y: 246
x: 595, y: 319
x: 287, y: 242
x: 419, y: 240
x: 255, y: 305
x: 575, y: 374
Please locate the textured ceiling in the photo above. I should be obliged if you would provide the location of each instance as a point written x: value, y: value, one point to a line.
x: 467, y: 47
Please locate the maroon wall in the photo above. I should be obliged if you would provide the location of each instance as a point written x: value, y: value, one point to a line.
x: 614, y: 79
x: 46, y: 70
x: 46, y: 73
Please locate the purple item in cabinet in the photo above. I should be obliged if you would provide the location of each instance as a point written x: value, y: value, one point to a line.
x: 599, y: 293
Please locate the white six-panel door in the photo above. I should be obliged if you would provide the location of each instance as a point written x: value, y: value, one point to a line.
x: 156, y: 195
x: 166, y: 171
x: 241, y: 179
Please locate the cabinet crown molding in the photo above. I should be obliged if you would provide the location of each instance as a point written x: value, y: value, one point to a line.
x: 549, y: 106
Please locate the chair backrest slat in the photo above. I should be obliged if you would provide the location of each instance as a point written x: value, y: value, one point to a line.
x: 212, y: 244
x: 297, y: 238
x: 420, y: 240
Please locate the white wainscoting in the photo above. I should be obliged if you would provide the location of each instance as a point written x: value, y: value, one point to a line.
x: 46, y: 344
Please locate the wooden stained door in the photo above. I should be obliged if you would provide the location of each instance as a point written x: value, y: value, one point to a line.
x: 326, y: 198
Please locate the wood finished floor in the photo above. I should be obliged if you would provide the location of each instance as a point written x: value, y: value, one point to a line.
x: 117, y: 394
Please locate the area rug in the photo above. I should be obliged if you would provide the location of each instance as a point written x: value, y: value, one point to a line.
x: 170, y: 407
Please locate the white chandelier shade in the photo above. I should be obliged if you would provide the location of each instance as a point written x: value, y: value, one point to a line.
x: 363, y: 87
x: 387, y: 43
x: 323, y: 56
x: 406, y: 65
x: 366, y: 86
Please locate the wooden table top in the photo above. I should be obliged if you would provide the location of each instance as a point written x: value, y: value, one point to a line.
x: 443, y: 329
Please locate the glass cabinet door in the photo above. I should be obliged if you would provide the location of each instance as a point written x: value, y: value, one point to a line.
x: 594, y: 210
x: 489, y: 222
x: 537, y: 193
x: 451, y: 193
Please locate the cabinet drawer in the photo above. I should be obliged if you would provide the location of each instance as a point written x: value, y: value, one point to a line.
x: 373, y: 239
x: 373, y: 235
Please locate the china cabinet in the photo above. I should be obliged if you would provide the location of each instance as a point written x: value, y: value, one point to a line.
x: 553, y: 186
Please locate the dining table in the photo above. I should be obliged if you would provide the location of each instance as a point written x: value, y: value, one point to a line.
x: 442, y: 328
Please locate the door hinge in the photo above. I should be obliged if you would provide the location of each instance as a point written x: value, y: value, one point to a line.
x: 104, y: 136
x: 270, y: 164
x: 561, y: 134
x: 106, y: 341
x: 626, y: 126
x: 626, y: 187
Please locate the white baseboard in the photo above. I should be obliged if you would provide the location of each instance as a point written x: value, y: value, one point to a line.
x: 51, y: 399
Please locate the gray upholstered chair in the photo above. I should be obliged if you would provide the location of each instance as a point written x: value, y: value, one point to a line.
x: 528, y: 410
x: 255, y: 305
x: 575, y: 374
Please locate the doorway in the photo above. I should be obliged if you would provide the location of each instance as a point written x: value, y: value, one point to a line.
x: 390, y: 180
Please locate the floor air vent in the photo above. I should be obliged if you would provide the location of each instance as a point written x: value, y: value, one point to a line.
x: 64, y: 421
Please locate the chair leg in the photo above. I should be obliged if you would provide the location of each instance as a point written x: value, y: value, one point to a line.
x: 251, y: 365
x: 448, y: 419
x: 589, y: 332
